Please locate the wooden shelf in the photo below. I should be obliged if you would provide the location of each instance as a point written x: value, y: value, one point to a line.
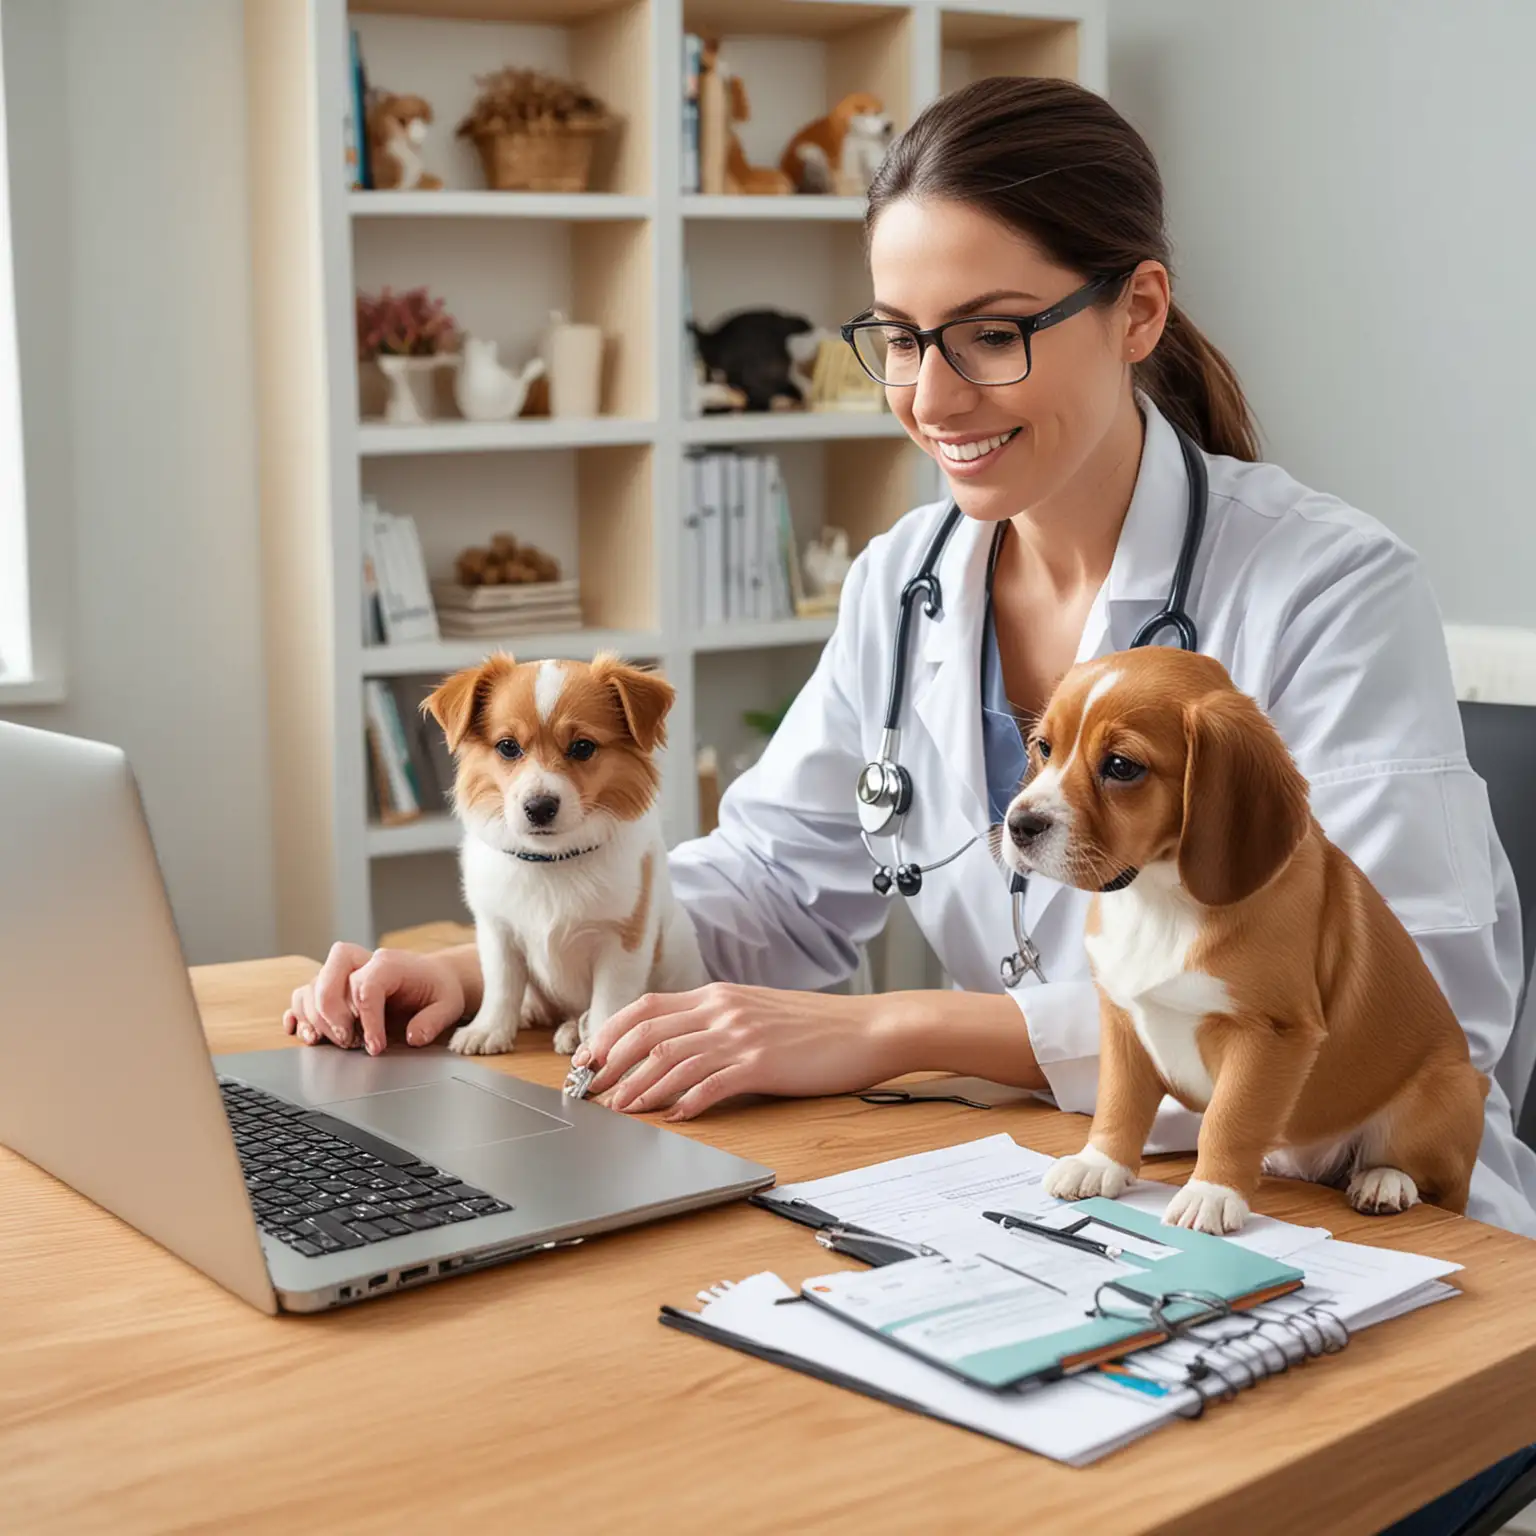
x: 791, y: 427
x: 377, y: 439
x: 568, y: 207
x: 603, y: 496
x: 547, y: 13
x: 793, y: 18
x: 435, y: 658
x: 764, y: 637
x: 437, y: 833
x: 820, y: 210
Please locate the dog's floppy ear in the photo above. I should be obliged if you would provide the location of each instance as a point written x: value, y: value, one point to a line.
x: 1246, y: 808
x: 644, y: 698
x: 741, y: 110
x: 455, y: 700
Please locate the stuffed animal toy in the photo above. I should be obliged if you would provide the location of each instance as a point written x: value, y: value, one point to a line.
x: 750, y: 352
x: 397, y: 129
x: 841, y: 151
x: 741, y: 176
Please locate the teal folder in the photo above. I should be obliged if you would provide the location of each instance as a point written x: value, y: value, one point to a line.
x: 1131, y: 1311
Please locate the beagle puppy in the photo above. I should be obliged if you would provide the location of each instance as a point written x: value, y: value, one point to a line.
x: 1244, y: 964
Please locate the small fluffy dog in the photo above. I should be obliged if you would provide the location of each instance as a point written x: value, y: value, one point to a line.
x: 563, y: 861
x: 1244, y: 963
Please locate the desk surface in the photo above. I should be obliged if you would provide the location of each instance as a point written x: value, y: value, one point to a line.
x: 137, y: 1396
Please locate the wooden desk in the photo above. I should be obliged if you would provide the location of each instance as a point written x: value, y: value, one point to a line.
x: 137, y: 1396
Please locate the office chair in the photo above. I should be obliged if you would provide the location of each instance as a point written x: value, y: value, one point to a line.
x: 1501, y: 745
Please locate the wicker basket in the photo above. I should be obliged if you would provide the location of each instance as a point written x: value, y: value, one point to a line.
x: 548, y: 160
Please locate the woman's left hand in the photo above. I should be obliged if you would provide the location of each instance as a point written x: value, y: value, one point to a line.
x: 690, y: 1050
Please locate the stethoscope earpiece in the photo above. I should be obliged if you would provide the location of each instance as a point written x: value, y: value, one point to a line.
x: 882, y: 881
x: 909, y: 879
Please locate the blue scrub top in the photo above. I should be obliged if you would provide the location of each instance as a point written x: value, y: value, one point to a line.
x: 1002, y: 742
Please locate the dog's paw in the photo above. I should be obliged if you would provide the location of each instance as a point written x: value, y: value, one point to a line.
x: 568, y: 1037
x: 492, y: 1038
x: 1203, y: 1207
x: 1382, y: 1192
x: 1089, y: 1173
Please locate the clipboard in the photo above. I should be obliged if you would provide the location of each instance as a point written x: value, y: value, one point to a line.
x: 964, y: 1317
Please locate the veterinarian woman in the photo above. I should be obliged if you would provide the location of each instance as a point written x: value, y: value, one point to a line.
x: 1034, y: 201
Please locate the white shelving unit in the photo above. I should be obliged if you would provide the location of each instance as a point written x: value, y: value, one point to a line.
x: 602, y: 495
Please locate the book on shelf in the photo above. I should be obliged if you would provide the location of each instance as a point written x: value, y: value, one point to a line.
x: 739, y: 560
x: 395, y: 783
x: 411, y: 768
x: 693, y: 50
x: 509, y: 626
x: 507, y: 610
x: 395, y: 570
x: 506, y: 597
x: 355, y: 119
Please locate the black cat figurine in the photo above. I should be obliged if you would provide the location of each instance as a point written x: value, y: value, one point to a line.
x: 749, y: 351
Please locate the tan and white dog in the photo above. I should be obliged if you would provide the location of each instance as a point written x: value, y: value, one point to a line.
x: 1244, y: 963
x: 563, y: 861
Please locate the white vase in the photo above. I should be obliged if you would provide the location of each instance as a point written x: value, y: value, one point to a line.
x: 483, y: 390
x: 410, y: 388
x: 574, y: 355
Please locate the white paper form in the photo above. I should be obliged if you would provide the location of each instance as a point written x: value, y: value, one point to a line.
x: 947, y: 1311
x: 1364, y: 1285
x: 919, y: 1198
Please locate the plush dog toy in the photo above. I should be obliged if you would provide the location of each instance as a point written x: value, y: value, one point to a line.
x: 841, y: 151
x: 397, y: 128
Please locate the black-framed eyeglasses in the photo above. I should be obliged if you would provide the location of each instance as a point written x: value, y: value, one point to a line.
x: 982, y: 349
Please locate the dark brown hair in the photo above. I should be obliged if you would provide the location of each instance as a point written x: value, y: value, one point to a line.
x: 1059, y: 164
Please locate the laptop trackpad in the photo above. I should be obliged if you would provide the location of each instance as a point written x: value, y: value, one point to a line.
x: 443, y: 1117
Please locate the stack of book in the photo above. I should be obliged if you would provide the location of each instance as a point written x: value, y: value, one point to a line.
x: 506, y: 610
x: 397, y: 598
x: 410, y: 767
x: 738, y: 540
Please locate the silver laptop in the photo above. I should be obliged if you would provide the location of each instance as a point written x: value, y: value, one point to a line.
x: 300, y: 1179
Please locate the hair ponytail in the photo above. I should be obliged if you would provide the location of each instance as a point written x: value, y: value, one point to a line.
x: 1195, y: 387
x: 1061, y: 166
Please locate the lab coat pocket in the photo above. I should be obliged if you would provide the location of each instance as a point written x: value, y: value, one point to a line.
x: 1420, y: 832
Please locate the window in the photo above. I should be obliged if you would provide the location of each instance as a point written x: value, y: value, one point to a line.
x: 19, y: 671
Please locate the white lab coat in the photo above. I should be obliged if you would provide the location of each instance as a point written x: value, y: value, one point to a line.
x: 1315, y: 609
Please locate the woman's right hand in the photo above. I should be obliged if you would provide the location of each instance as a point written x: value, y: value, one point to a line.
x: 360, y: 993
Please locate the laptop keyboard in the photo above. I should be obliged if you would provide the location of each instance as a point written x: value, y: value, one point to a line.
x: 320, y: 1192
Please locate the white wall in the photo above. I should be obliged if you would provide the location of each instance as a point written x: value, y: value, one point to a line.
x: 144, y: 399
x: 1352, y: 196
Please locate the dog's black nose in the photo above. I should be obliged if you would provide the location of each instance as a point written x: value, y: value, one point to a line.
x: 1025, y: 826
x: 542, y: 809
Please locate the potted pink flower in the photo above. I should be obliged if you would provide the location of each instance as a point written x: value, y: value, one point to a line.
x: 405, y: 338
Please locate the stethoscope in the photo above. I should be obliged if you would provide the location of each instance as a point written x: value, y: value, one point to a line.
x: 885, y: 787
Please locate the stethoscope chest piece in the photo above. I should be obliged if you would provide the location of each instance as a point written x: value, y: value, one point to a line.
x: 884, y: 794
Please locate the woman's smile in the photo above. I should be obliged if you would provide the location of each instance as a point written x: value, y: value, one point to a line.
x: 967, y: 456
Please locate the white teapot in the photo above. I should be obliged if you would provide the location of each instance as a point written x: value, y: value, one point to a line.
x: 484, y: 390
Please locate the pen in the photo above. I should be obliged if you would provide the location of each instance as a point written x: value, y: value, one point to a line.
x: 1053, y: 1234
